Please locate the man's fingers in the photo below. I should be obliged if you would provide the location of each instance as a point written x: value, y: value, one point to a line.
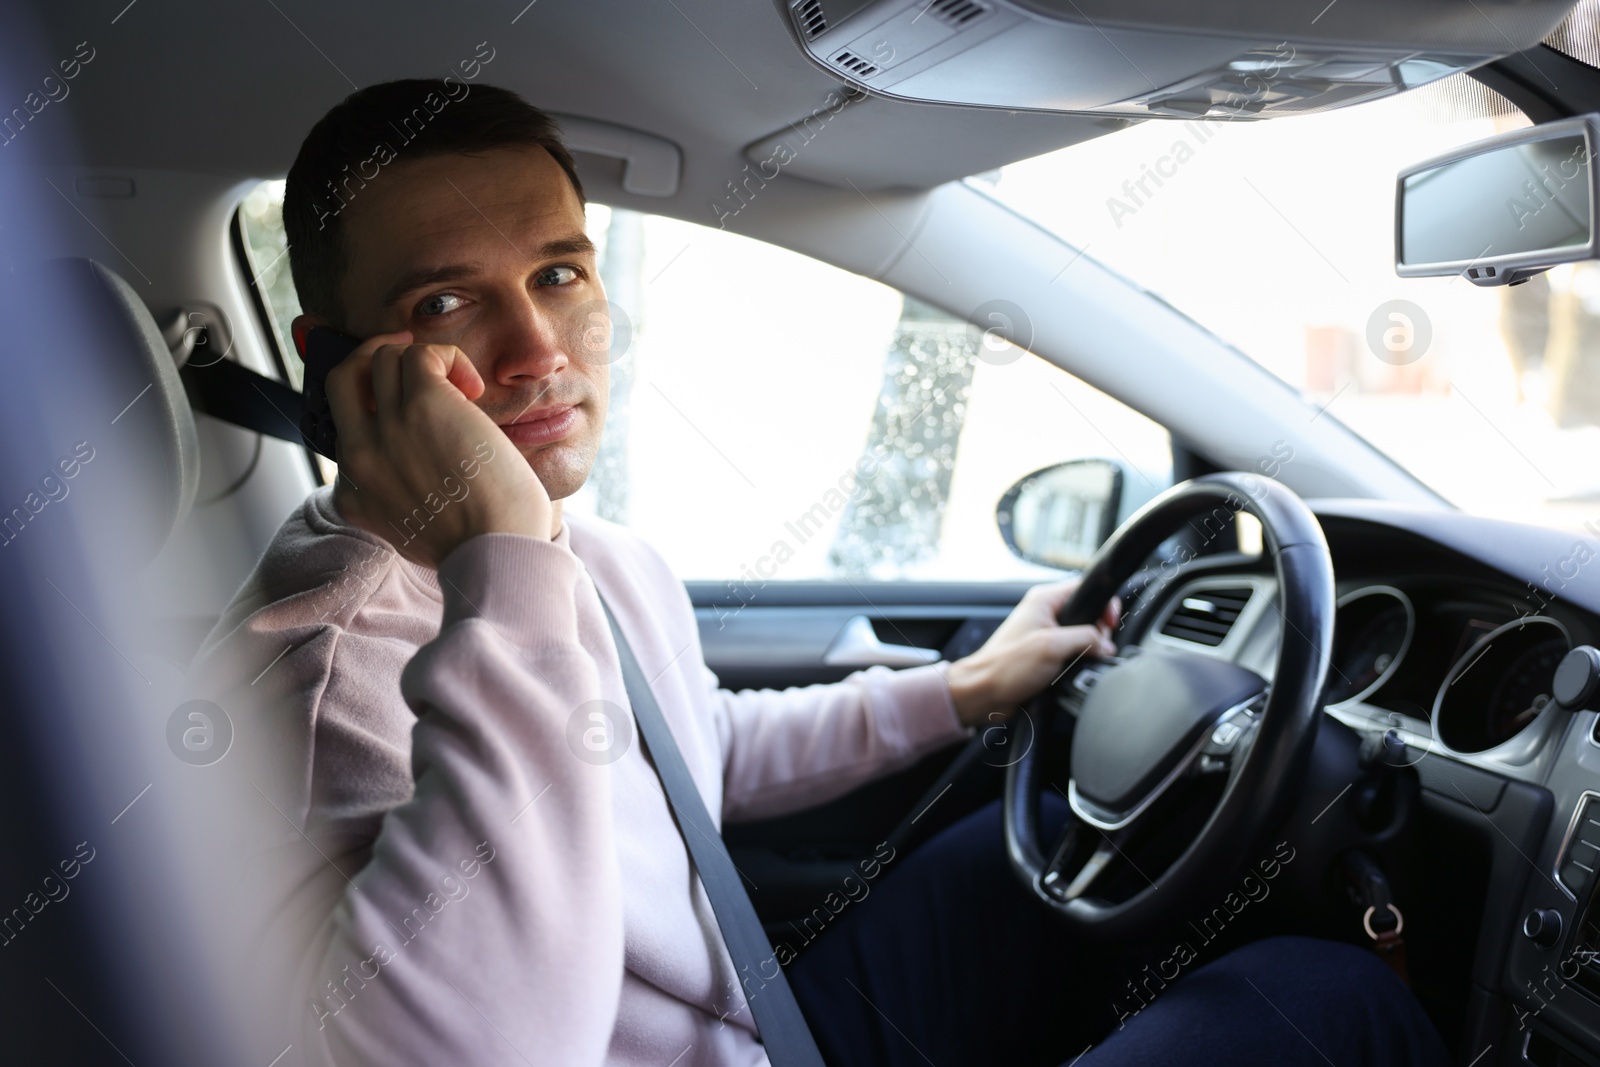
x: 420, y: 367
x: 463, y: 375
x: 358, y: 364
x: 1069, y: 642
x: 352, y: 397
x: 424, y: 367
x: 386, y: 387
x: 1056, y: 594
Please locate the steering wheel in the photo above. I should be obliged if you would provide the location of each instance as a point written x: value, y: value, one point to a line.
x: 1152, y: 719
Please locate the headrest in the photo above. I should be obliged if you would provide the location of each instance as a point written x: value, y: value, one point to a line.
x: 130, y: 417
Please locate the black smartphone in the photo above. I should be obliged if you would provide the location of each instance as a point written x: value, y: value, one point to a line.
x: 321, y: 349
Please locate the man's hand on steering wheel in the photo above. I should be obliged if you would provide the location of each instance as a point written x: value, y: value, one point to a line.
x: 1146, y: 730
x: 1027, y: 653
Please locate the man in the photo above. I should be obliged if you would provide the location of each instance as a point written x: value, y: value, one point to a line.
x: 427, y: 640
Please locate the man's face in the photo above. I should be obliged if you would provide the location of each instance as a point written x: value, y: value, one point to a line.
x: 488, y: 253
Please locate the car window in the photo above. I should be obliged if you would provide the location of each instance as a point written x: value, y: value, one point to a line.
x: 1279, y: 237
x: 776, y: 418
x: 267, y: 259
x: 1579, y: 33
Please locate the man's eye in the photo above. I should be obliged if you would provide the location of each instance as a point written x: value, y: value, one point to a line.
x: 556, y: 276
x: 439, y: 304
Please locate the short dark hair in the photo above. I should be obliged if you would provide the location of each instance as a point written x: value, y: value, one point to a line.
x: 372, y: 127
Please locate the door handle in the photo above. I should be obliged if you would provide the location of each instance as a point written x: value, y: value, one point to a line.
x: 858, y: 646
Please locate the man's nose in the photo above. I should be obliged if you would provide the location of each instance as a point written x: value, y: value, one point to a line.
x: 530, y: 344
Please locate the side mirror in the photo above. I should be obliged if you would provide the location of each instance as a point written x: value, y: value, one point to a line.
x: 1059, y: 516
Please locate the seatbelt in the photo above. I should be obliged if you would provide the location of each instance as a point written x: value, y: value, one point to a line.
x: 784, y: 1031
x: 236, y: 394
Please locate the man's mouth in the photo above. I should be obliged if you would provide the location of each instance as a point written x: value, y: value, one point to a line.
x: 541, y: 426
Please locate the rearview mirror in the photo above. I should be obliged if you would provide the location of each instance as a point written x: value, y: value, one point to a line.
x: 1059, y: 516
x: 1501, y: 210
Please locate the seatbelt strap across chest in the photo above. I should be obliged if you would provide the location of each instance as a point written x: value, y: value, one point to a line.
x: 784, y: 1032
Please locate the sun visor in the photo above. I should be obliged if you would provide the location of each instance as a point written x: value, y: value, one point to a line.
x: 1175, y: 58
x: 885, y: 144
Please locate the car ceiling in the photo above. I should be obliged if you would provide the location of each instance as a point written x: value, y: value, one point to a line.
x: 231, y: 89
x: 191, y: 102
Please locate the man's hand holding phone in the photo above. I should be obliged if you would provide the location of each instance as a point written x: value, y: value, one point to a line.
x: 407, y: 422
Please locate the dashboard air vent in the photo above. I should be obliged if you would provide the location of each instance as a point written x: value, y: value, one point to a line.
x: 955, y: 12
x: 855, y: 64
x: 1206, y: 615
x: 812, y: 21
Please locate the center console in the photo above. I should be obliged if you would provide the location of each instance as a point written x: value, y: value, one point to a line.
x: 1552, y: 972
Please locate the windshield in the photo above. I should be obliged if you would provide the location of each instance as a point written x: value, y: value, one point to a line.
x: 1279, y: 237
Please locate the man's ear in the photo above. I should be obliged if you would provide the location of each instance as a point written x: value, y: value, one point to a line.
x: 302, y: 325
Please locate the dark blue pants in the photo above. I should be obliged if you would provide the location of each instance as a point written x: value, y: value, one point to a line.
x: 948, y: 962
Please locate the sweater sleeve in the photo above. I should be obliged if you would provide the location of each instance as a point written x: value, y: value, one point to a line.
x: 784, y: 750
x: 789, y: 749
x: 485, y: 923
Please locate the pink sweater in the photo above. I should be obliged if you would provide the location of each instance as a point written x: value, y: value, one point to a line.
x: 478, y: 893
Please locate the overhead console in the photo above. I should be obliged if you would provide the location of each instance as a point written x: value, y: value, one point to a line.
x: 1145, y: 58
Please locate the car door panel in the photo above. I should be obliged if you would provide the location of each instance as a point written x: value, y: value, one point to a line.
x: 781, y: 636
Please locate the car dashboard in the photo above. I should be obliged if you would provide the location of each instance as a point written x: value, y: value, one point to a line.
x: 1448, y: 631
